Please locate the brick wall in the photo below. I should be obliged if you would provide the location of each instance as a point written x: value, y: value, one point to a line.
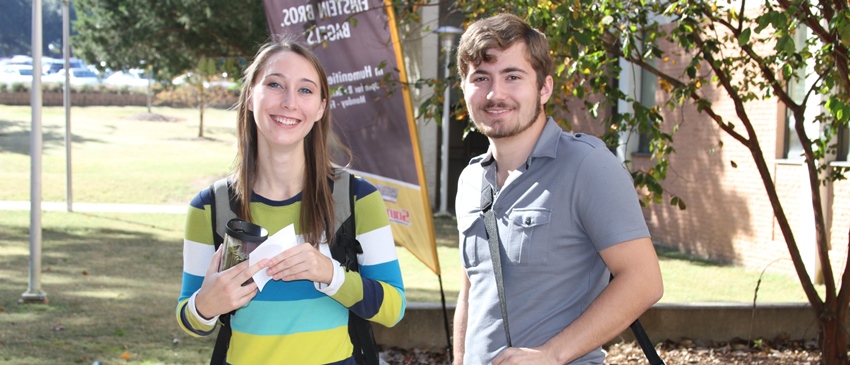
x: 729, y: 217
x: 839, y: 224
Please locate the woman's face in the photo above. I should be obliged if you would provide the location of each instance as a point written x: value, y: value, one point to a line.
x: 286, y: 100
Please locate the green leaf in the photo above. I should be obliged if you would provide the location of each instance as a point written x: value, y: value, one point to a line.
x: 583, y: 39
x: 744, y: 37
x: 692, y: 71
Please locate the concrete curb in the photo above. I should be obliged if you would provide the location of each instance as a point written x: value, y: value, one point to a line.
x: 423, y: 323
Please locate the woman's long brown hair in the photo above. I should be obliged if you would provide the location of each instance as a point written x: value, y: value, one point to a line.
x: 317, y: 206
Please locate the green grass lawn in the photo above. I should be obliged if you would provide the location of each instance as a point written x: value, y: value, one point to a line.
x: 117, y: 158
x: 113, y: 278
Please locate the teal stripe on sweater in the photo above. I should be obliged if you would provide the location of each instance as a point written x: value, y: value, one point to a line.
x: 271, y: 319
x: 387, y: 272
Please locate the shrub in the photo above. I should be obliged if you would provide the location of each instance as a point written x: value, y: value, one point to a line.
x: 17, y: 87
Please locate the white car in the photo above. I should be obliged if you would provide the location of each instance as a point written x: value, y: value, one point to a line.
x: 10, y: 74
x: 133, y: 77
x: 54, y: 65
x: 78, y: 76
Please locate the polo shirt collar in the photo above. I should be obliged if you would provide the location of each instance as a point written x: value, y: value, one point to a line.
x: 546, y: 146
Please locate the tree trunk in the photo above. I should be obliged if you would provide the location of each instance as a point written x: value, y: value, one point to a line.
x: 201, y: 102
x: 833, y: 335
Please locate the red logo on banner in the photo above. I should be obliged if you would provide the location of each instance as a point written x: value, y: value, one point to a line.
x: 399, y: 216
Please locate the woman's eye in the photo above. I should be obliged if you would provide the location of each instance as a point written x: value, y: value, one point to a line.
x: 273, y: 84
x: 306, y: 90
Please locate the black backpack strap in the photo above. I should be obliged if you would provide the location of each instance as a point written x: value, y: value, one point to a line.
x: 344, y: 249
x: 221, y: 211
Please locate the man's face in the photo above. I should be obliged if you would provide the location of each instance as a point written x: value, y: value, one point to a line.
x: 502, y: 97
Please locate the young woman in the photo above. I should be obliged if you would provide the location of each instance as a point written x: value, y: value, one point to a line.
x: 282, y: 175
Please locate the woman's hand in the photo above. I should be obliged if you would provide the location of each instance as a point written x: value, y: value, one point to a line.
x: 225, y: 291
x: 302, y: 262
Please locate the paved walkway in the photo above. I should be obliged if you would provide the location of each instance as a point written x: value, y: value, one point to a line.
x: 94, y: 207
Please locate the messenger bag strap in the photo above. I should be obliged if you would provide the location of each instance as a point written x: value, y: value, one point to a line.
x: 646, y: 344
x: 644, y: 341
x: 495, y: 255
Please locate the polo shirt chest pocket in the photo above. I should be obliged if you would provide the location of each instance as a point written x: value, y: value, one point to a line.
x: 529, y: 239
x: 473, y: 239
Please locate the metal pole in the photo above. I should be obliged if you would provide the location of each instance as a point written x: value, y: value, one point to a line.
x: 444, y: 145
x: 34, y: 293
x: 66, y: 51
x: 447, y: 35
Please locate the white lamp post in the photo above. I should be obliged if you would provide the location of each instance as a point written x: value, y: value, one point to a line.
x: 34, y: 294
x: 66, y: 54
x: 447, y: 37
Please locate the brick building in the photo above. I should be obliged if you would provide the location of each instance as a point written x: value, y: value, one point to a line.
x: 729, y: 218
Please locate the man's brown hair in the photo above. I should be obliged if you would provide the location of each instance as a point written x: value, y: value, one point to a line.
x: 501, y: 32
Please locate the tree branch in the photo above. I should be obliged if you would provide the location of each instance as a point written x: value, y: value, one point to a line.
x: 764, y: 172
x: 616, y: 47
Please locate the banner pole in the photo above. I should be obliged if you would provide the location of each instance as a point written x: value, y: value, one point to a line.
x: 446, y: 320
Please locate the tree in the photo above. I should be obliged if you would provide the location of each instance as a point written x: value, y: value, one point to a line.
x: 16, y: 27
x: 170, y: 35
x: 746, y: 52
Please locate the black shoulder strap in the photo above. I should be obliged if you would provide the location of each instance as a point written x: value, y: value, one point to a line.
x: 344, y: 248
x: 495, y: 253
x: 644, y: 342
x: 221, y: 211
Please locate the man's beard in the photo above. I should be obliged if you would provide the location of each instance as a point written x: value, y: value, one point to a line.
x: 494, y: 133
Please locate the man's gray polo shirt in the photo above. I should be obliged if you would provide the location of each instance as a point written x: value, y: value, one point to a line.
x: 570, y: 200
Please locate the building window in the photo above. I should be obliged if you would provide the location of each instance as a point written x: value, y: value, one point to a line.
x: 648, y: 82
x: 796, y: 89
x: 843, y: 144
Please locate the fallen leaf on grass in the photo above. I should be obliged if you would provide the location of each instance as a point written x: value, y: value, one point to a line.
x: 125, y: 355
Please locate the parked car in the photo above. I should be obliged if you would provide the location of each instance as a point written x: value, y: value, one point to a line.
x: 53, y: 65
x: 218, y: 81
x: 79, y: 76
x: 133, y: 77
x: 14, y: 73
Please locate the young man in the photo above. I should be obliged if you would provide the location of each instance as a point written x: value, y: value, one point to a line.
x: 566, y: 212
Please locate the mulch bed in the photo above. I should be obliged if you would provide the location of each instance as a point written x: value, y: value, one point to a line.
x: 779, y: 351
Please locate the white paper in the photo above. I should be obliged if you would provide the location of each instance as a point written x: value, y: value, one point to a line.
x: 274, y: 245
